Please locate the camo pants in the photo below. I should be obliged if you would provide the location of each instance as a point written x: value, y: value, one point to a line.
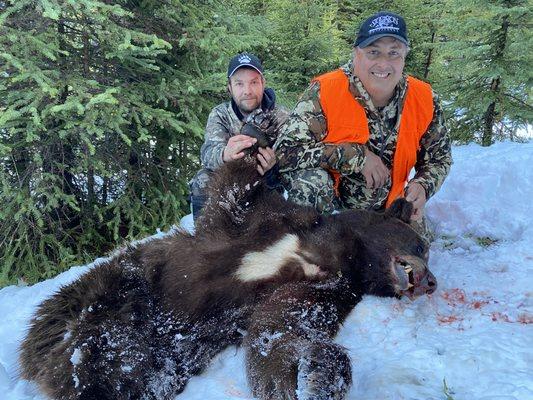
x: 314, y: 187
x: 197, y: 187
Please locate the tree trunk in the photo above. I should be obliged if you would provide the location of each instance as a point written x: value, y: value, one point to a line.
x: 90, y: 183
x: 90, y: 168
x: 429, y: 56
x: 490, y: 115
x: 488, y: 119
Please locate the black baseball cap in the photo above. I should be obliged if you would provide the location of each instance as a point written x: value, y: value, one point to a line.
x: 244, y: 60
x: 379, y: 25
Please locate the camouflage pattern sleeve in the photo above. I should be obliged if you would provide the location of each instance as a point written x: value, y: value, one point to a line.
x: 300, y: 145
x: 281, y: 114
x: 434, y: 157
x: 217, y: 134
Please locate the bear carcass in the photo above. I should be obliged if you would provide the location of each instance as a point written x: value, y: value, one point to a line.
x: 278, y: 275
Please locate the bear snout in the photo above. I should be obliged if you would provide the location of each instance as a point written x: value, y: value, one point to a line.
x: 425, y: 283
x: 412, y: 277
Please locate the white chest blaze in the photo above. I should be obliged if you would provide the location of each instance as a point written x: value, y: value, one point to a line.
x: 259, y: 265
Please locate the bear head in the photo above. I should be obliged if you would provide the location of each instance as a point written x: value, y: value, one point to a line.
x: 392, y: 258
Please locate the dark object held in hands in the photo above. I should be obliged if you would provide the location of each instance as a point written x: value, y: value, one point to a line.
x: 250, y: 129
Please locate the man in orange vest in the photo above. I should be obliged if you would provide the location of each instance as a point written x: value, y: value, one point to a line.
x: 357, y: 132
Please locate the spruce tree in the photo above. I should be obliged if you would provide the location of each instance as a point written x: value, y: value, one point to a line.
x: 102, y: 110
x: 304, y: 41
x: 485, y: 68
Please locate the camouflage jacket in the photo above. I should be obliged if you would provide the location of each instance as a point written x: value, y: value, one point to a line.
x: 300, y: 145
x: 224, y: 122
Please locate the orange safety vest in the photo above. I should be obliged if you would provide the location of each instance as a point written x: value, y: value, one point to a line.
x: 347, y: 122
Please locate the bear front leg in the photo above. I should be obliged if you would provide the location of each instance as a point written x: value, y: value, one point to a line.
x: 233, y: 190
x: 324, y: 372
x: 290, y: 352
x: 285, y: 366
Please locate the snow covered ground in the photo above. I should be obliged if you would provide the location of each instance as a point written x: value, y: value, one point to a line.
x: 475, y: 333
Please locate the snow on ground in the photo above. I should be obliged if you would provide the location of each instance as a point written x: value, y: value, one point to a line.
x: 475, y: 333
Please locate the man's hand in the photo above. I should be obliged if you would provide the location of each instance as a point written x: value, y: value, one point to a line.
x: 416, y: 194
x: 236, y: 145
x: 266, y: 159
x: 374, y: 171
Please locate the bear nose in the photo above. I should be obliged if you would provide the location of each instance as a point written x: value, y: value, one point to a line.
x: 430, y: 283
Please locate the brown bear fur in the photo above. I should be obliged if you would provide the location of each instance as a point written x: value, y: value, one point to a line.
x: 141, y: 324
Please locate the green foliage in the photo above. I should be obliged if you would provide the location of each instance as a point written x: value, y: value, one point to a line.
x: 299, y: 40
x: 304, y: 42
x: 451, y: 242
x: 446, y: 390
x: 485, y: 241
x: 484, y: 68
x: 102, y: 108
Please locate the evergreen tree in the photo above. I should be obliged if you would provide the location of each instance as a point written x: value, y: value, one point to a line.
x: 485, y: 68
x: 421, y: 17
x: 102, y: 109
x: 304, y: 41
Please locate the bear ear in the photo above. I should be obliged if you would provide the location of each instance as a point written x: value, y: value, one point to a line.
x: 401, y: 209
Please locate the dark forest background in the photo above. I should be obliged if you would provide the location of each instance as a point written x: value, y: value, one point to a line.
x: 103, y: 103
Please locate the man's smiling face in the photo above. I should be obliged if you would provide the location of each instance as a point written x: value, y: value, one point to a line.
x: 380, y: 65
x: 246, y: 86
